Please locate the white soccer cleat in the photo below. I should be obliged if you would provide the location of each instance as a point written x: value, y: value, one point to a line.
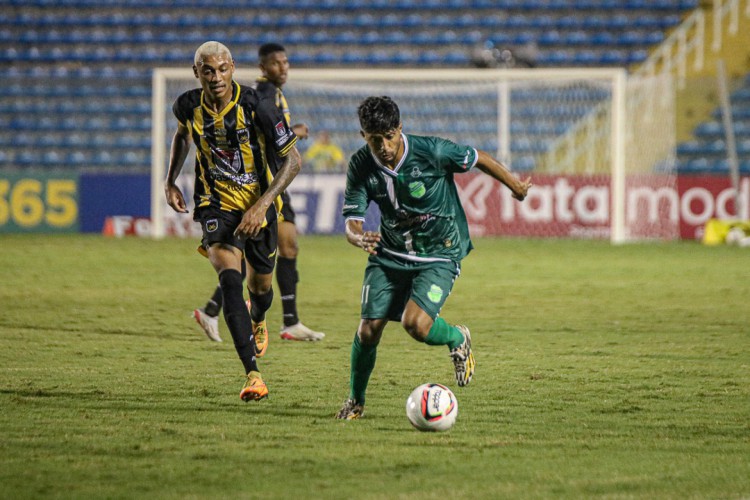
x: 210, y: 324
x: 300, y: 332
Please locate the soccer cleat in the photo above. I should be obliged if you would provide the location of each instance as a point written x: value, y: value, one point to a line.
x: 255, y: 389
x: 210, y: 324
x: 463, y: 358
x: 350, y: 411
x: 260, y: 334
x: 300, y: 332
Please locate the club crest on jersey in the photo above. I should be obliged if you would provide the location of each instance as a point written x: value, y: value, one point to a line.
x: 415, y: 172
x: 435, y: 294
x: 417, y: 189
x: 243, y: 136
x: 212, y: 225
x: 228, y: 160
x: 280, y: 129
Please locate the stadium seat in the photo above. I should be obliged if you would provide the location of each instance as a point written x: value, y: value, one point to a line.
x: 523, y: 163
x: 73, y: 56
x: 709, y: 130
x: 377, y: 57
x: 585, y: 58
x: 428, y: 57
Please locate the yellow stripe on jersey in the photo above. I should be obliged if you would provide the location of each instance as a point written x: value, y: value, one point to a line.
x: 283, y: 106
x: 197, y: 126
x: 288, y: 148
x: 247, y: 152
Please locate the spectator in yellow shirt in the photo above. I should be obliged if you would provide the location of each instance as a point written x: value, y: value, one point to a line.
x: 323, y: 155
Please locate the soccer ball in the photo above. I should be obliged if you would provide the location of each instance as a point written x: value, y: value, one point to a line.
x: 735, y: 236
x: 432, y: 407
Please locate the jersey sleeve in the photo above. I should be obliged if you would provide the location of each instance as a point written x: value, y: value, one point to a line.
x: 180, y: 109
x: 275, y: 127
x: 355, y: 195
x: 455, y: 157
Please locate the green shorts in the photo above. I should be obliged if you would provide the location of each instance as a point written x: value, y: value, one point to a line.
x: 388, y: 286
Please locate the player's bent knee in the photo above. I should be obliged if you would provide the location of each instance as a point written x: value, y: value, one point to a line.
x: 370, y: 331
x: 418, y: 330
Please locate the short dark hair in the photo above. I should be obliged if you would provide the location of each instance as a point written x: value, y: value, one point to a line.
x: 269, y: 48
x: 379, y: 114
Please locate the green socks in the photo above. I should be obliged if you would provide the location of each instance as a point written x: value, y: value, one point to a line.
x: 363, y: 356
x: 363, y: 362
x: 442, y: 333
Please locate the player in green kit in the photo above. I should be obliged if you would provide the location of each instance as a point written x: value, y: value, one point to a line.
x: 416, y: 255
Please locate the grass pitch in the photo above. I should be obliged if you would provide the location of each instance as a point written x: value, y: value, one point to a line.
x: 619, y: 372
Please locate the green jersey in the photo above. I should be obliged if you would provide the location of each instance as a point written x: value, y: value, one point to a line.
x: 421, y: 217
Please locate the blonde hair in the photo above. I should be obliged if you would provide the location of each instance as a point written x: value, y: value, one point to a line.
x: 209, y: 49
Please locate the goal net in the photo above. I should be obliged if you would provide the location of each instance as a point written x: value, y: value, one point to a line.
x: 598, y: 144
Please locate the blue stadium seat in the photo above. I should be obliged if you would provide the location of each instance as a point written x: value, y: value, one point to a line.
x: 372, y: 37
x: 26, y: 158
x: 613, y: 58
x: 550, y: 38
x: 99, y: 58
x: 523, y: 163
x: 585, y: 57
x: 709, y: 130
x: 395, y: 37
x: 577, y: 38
x: 321, y: 36
x: 555, y: 57
x: 637, y: 56
x: 604, y: 39
x: 404, y: 57
x: 428, y: 57
x: 742, y: 128
x: 377, y: 57
x: 353, y: 57
x: 103, y: 157
x: 455, y: 57
x: 742, y: 96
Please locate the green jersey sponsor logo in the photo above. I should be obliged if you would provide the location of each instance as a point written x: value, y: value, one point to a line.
x: 435, y: 294
x: 417, y: 189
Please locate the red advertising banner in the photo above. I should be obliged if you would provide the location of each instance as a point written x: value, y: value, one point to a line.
x: 580, y: 206
x: 707, y: 197
x: 558, y: 206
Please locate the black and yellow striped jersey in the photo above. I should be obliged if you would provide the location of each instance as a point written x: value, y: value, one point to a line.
x: 267, y: 90
x: 235, y: 147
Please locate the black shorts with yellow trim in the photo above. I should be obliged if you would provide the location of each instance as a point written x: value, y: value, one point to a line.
x: 287, y: 212
x: 218, y: 227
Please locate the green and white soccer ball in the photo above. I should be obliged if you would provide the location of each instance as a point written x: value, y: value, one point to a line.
x: 432, y: 408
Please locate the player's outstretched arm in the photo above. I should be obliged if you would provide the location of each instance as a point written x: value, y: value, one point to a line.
x: 177, y: 154
x: 495, y: 169
x: 366, y: 240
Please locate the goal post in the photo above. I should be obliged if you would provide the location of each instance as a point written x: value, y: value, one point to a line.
x: 599, y: 144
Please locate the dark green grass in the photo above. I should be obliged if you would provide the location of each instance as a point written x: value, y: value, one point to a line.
x: 619, y: 372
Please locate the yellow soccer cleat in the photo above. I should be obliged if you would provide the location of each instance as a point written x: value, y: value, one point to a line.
x: 260, y: 334
x: 255, y: 389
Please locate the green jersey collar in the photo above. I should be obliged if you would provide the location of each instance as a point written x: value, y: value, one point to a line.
x: 394, y: 172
